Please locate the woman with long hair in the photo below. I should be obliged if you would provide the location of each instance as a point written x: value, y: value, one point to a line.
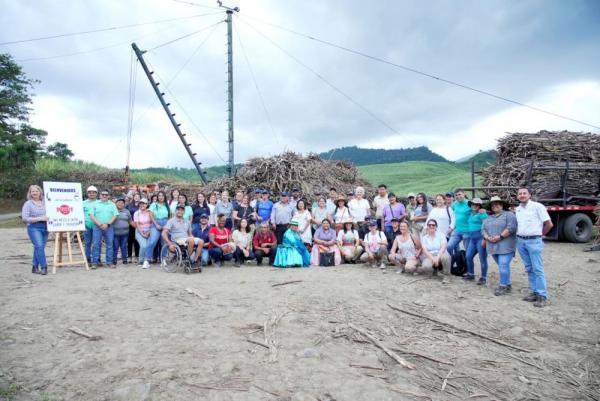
x: 133, y: 247
x: 174, y: 201
x: 225, y: 207
x: 420, y: 214
x: 304, y: 218
x: 199, y: 208
x: 212, y: 205
x: 349, y: 242
x: 320, y: 212
x: 160, y: 210
x: 444, y: 215
x: 34, y: 215
x: 143, y: 221
x: 434, y: 251
x: 242, y: 238
x: 406, y: 250
x: 188, y: 212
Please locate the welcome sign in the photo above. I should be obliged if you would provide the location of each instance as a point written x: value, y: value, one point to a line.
x: 64, y: 206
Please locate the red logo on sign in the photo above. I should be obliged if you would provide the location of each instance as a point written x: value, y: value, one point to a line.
x: 64, y: 209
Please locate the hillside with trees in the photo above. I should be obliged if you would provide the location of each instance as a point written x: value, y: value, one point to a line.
x: 363, y: 156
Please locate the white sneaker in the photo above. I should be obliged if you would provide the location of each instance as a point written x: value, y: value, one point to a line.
x: 163, y: 263
x: 382, y: 266
x: 146, y: 265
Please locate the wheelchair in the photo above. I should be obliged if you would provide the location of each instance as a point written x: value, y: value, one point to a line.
x: 172, y: 262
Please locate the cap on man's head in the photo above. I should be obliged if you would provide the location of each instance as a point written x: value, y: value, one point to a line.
x: 411, y: 195
x: 204, y: 216
x: 180, y: 207
x: 284, y: 193
x: 295, y: 190
x: 143, y: 200
x: 258, y: 191
x: 92, y: 188
x: 395, y: 220
x: 372, y: 223
x: 264, y: 191
x: 450, y: 194
x: 294, y: 222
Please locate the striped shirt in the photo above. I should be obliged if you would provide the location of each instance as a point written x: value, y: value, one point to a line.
x: 32, y: 211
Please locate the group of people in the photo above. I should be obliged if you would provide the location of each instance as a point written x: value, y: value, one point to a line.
x: 411, y: 233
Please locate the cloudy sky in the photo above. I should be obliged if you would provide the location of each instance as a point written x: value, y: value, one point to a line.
x: 543, y: 53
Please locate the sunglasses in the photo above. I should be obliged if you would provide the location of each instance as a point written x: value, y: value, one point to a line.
x: 104, y: 194
x: 431, y: 225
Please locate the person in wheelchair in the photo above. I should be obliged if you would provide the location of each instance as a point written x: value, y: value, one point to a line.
x: 178, y: 232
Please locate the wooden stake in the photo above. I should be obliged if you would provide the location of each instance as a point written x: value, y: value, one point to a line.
x: 59, y: 239
x: 382, y: 347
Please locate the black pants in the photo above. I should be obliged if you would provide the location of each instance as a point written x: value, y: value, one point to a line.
x: 240, y: 257
x: 260, y: 254
x: 132, y: 245
x: 280, y: 229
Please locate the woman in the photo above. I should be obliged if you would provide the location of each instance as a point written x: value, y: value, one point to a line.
x: 160, y: 212
x: 225, y: 207
x: 476, y: 244
x: 174, y: 201
x: 212, y: 205
x: 420, y: 214
x: 360, y: 209
x: 348, y: 241
x: 340, y: 213
x: 444, y: 216
x: 375, y: 244
x: 319, y: 213
x: 292, y: 252
x: 325, y: 241
x: 242, y: 238
x: 406, y: 250
x: 143, y: 221
x: 188, y: 212
x: 499, y: 231
x: 220, y: 247
x: 133, y: 246
x: 34, y: 215
x: 153, y: 199
x: 434, y: 253
x: 199, y: 208
x: 304, y: 218
x: 244, y: 211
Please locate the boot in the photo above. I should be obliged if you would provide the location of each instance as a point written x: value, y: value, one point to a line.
x: 44, y: 270
x: 35, y: 270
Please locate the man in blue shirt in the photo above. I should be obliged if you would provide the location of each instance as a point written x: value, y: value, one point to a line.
x: 462, y: 211
x: 201, y: 231
x: 264, y: 207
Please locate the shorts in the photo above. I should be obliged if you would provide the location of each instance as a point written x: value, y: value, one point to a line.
x: 183, y: 241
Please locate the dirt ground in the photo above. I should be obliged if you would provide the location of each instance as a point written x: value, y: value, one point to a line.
x: 230, y: 334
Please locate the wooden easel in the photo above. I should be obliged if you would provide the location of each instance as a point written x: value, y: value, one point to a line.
x: 59, y: 240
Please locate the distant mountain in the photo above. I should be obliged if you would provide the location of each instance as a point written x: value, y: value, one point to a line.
x: 482, y: 159
x: 362, y: 156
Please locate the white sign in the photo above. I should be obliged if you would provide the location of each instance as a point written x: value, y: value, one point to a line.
x: 64, y: 206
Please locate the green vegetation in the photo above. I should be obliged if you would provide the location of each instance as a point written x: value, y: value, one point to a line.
x: 482, y: 160
x: 418, y: 176
x: 362, y: 157
x: 9, y: 392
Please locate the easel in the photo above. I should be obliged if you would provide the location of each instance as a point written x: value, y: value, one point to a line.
x: 59, y: 239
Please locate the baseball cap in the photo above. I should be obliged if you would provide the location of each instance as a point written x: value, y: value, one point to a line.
x: 395, y: 219
x: 450, y: 193
x: 180, y: 207
x: 144, y: 200
x: 258, y: 191
x: 411, y: 195
x: 285, y: 193
x: 264, y: 191
x: 92, y: 188
x: 295, y: 190
x: 372, y: 223
x: 204, y: 216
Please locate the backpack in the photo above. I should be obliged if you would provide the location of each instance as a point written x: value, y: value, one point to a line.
x: 327, y: 259
x: 458, y: 265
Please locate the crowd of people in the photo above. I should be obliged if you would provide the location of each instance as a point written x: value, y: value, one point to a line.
x: 411, y: 233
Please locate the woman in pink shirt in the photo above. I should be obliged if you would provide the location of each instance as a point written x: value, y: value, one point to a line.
x: 143, y: 221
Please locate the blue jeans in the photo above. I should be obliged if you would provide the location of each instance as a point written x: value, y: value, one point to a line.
x: 88, y: 238
x: 120, y: 242
x: 38, y: 234
x: 454, y: 242
x: 144, y: 246
x: 216, y: 255
x: 503, y: 262
x: 97, y: 237
x: 475, y: 246
x: 205, y: 257
x: 155, y: 238
x: 531, y: 252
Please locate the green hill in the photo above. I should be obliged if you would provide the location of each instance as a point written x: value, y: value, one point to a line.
x: 482, y: 159
x: 363, y: 156
x: 418, y: 176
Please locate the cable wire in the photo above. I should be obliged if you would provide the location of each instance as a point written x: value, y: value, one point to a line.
x: 185, y: 36
x: 131, y: 108
x: 425, y: 74
x: 191, y: 3
x: 64, y: 35
x: 258, y: 91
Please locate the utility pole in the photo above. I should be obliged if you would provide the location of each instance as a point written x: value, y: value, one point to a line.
x: 231, y: 162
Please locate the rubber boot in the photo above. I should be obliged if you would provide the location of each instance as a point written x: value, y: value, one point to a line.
x: 34, y: 270
x: 44, y: 270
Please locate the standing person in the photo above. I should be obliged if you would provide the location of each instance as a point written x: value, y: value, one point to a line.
x: 88, y: 235
x: 281, y: 215
x: 315, y: 203
x: 433, y: 252
x: 304, y: 218
x: 379, y: 202
x: 244, y: 211
x: 444, y: 215
x: 143, y: 221
x: 188, y: 212
x: 320, y: 213
x: 174, y: 201
x: 411, y: 205
x: 225, y: 207
x: 178, y: 230
x: 393, y: 210
x: 265, y: 244
x: 375, y: 245
x: 332, y: 201
x: 257, y: 197
x: 160, y: 212
x: 420, y: 213
x: 392, y: 232
x: 34, y: 215
x: 449, y: 198
x: 406, y: 250
x: 340, y: 213
x: 220, y: 248
x: 242, y: 238
x: 121, y: 232
x: 292, y: 252
x: 103, y: 214
x: 239, y: 194
x: 462, y: 212
x: 212, y: 205
x: 296, y: 195
x: 359, y: 210
x: 201, y: 231
x: 199, y: 208
x: 476, y: 243
x: 133, y: 247
x: 325, y: 241
x: 264, y: 208
x: 349, y: 242
x: 533, y: 222
x: 499, y: 231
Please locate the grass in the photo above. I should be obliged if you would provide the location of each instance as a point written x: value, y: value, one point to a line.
x: 12, y: 223
x: 9, y: 392
x: 418, y: 176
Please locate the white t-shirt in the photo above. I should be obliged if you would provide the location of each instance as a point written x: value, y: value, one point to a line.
x: 444, y: 217
x: 433, y: 245
x: 531, y: 218
x: 380, y: 202
x: 241, y: 239
x: 359, y: 209
x: 347, y: 238
x: 372, y: 241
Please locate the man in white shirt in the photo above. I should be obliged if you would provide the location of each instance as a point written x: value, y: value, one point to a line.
x: 379, y: 202
x: 533, y: 222
x: 332, y: 201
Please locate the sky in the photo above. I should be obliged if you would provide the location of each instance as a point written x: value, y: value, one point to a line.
x: 294, y: 93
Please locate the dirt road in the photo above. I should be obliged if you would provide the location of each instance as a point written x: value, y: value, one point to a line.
x: 230, y: 334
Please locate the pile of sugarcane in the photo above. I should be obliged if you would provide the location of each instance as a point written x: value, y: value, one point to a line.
x: 522, y: 158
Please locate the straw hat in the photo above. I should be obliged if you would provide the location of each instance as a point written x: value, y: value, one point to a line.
x: 341, y: 198
x: 476, y: 201
x: 346, y: 220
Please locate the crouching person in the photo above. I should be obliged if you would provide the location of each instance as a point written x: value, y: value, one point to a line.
x: 178, y: 231
x: 434, y: 251
x: 220, y: 248
x: 406, y: 250
x: 375, y: 245
x: 242, y: 238
x: 349, y: 242
x: 265, y: 244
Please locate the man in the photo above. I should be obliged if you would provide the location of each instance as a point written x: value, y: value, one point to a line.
x: 296, y: 196
x: 220, y: 248
x: 315, y: 203
x: 121, y: 232
x: 332, y: 201
x: 410, y: 208
x: 202, y: 233
x: 449, y: 198
x: 392, y: 232
x: 393, y: 210
x: 237, y: 199
x: 264, y: 207
x: 462, y: 212
x: 379, y: 202
x: 533, y: 222
x: 103, y: 214
x: 178, y: 231
x: 281, y: 215
x: 88, y: 204
x: 257, y: 197
x: 265, y: 244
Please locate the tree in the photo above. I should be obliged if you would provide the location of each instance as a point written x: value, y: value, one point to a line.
x: 59, y: 150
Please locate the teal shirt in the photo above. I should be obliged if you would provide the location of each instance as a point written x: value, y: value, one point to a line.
x: 462, y: 211
x: 88, y: 205
x: 476, y: 221
x: 159, y: 211
x: 188, y: 213
x: 104, y: 211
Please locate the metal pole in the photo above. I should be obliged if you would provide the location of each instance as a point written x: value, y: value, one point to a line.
x: 230, y: 167
x: 473, y: 178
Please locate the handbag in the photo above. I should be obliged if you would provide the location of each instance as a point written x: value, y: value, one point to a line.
x: 326, y: 258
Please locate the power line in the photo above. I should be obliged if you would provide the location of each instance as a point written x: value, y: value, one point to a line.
x: 322, y: 78
x: 191, y: 3
x: 184, y: 36
x: 262, y: 101
x: 64, y: 35
x: 425, y: 74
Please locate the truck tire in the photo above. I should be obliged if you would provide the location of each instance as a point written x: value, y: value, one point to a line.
x: 578, y: 228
